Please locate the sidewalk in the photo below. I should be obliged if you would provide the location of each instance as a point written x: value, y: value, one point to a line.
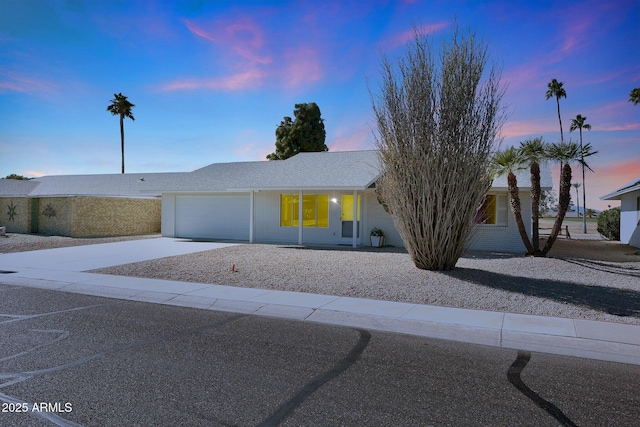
x: 62, y: 269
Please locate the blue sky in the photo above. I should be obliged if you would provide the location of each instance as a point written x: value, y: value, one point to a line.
x: 211, y: 80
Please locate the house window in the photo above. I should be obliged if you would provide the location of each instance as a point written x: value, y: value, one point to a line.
x: 492, y: 210
x: 315, y: 210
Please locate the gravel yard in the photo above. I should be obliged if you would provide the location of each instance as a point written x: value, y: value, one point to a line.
x: 596, y: 280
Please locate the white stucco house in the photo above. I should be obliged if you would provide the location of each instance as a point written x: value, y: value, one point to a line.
x: 629, y: 196
x: 311, y: 198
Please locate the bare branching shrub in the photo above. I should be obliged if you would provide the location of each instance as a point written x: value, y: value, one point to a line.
x: 437, y: 127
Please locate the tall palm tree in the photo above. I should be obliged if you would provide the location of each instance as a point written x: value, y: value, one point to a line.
x: 120, y: 106
x: 556, y: 90
x: 579, y: 123
x: 506, y: 162
x: 634, y: 96
x: 534, y: 152
x: 576, y: 185
x: 565, y: 153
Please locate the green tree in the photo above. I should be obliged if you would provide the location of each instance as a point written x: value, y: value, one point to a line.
x: 507, y: 162
x: 579, y: 123
x: 303, y: 134
x: 634, y: 96
x: 565, y: 153
x: 556, y: 91
x: 438, y: 116
x: 609, y: 223
x: 534, y: 152
x: 16, y: 176
x: 121, y: 107
x: 548, y: 201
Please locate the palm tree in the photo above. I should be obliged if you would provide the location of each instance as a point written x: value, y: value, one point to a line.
x: 634, y: 96
x: 576, y: 185
x: 507, y: 162
x: 120, y: 106
x: 534, y: 152
x: 556, y: 90
x: 579, y: 123
x: 565, y: 153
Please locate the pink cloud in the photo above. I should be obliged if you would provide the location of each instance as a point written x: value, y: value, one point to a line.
x: 243, y: 38
x: 399, y: 39
x: 303, y: 66
x: 603, y: 180
x: 351, y: 138
x: 16, y: 82
x: 244, y: 80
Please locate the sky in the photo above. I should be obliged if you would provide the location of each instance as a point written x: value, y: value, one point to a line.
x: 212, y: 80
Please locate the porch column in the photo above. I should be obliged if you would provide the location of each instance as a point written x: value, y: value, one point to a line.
x: 251, y: 224
x: 300, y: 217
x: 355, y: 218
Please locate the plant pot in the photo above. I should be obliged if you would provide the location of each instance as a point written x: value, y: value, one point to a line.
x: 377, y: 241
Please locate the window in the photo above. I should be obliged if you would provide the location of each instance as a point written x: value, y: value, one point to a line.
x: 315, y: 210
x: 492, y: 211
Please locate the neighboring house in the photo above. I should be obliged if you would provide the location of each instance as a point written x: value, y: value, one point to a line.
x: 629, y: 196
x: 260, y: 202
x: 82, y: 205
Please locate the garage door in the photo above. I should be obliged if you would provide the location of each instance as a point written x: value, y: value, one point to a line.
x: 213, y: 217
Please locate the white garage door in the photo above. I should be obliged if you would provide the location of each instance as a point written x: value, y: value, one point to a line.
x: 213, y: 217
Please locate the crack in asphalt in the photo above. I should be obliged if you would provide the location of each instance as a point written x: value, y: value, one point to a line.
x: 308, y: 389
x: 513, y: 374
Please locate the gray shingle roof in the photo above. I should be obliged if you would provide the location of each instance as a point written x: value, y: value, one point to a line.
x: 305, y: 171
x: 347, y: 170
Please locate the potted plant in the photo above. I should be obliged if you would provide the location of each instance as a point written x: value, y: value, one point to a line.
x: 377, y: 237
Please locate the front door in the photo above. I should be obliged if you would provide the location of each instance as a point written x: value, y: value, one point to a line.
x: 347, y: 220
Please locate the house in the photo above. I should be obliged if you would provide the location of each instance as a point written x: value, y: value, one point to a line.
x: 260, y: 202
x: 629, y: 196
x: 82, y: 205
x: 312, y: 198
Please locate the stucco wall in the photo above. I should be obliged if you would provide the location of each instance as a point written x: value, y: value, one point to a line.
x: 15, y: 214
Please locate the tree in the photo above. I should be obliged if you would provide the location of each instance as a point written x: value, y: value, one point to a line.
x: 555, y: 90
x: 634, y: 96
x: 303, y: 134
x: 534, y: 152
x: 576, y: 185
x: 18, y: 177
x: 507, y: 162
x: 579, y: 123
x: 609, y: 223
x: 436, y: 129
x: 121, y: 107
x: 548, y: 201
x: 565, y: 153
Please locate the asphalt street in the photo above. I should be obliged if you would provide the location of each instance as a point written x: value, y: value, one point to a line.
x: 70, y: 359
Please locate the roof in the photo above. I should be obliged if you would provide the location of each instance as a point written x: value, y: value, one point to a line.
x: 304, y: 171
x: 338, y: 170
x: 108, y: 185
x: 627, y: 188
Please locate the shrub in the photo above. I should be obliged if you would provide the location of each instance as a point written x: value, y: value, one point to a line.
x: 609, y: 223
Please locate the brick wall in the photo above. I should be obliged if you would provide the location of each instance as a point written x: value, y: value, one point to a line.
x: 15, y: 214
x: 109, y: 216
x: 55, y: 215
